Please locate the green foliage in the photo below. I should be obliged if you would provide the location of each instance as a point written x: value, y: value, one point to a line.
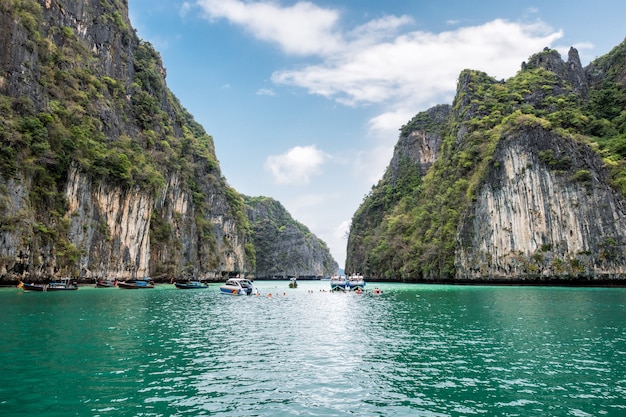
x: 277, y: 216
x: 250, y: 256
x: 409, y: 230
x: 160, y: 230
x: 128, y: 133
x: 148, y: 66
x: 72, y: 130
x: 28, y: 14
x: 561, y: 163
x: 238, y: 207
x: 609, y: 249
x: 582, y: 175
x: 282, y: 244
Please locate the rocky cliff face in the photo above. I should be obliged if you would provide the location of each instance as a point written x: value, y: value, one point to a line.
x: 416, y: 151
x: 102, y: 171
x: 533, y: 221
x: 523, y: 181
x: 284, y: 247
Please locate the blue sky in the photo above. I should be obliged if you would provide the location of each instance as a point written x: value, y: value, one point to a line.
x: 305, y: 99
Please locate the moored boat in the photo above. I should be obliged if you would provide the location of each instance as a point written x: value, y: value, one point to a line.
x: 238, y: 286
x: 139, y: 283
x: 338, y: 283
x: 189, y: 285
x: 293, y: 283
x: 64, y: 284
x: 355, y: 281
x: 106, y: 283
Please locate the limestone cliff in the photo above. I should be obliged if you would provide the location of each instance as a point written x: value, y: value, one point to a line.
x: 284, y: 247
x: 417, y: 149
x: 102, y: 171
x: 524, y: 182
x: 531, y: 220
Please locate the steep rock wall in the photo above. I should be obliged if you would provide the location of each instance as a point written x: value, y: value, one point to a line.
x: 82, y: 100
x: 16, y: 225
x: 532, y: 221
x: 284, y: 247
x: 113, y: 224
x: 527, y: 183
x: 417, y: 150
x: 419, y: 144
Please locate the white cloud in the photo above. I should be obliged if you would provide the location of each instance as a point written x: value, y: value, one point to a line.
x: 265, y: 92
x: 384, y: 62
x: 369, y: 164
x: 376, y: 30
x: 338, y: 240
x: 341, y: 231
x: 416, y: 67
x: 583, y: 48
x: 185, y: 9
x: 297, y: 165
x: 381, y: 61
x: 390, y: 121
x: 301, y: 29
x: 407, y: 72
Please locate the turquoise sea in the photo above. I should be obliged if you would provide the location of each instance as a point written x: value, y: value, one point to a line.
x: 415, y: 350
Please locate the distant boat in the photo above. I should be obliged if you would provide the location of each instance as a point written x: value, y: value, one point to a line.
x: 338, y: 283
x: 134, y: 284
x: 293, y: 283
x: 190, y: 285
x: 64, y: 284
x: 355, y: 282
x: 106, y: 283
x: 238, y: 286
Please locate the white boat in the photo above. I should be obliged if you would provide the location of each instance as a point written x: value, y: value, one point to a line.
x: 355, y: 281
x: 338, y: 283
x: 238, y: 286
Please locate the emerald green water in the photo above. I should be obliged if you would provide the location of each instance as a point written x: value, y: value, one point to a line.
x: 414, y: 351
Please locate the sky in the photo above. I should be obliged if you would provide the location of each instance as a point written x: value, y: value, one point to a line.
x: 305, y: 99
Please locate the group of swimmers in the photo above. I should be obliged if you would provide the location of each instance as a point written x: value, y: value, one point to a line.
x: 270, y: 295
x: 375, y: 291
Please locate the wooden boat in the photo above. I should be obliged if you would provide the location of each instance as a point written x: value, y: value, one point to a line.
x: 293, y: 283
x: 238, y: 286
x: 190, y: 285
x: 64, y: 284
x: 134, y: 284
x: 106, y: 283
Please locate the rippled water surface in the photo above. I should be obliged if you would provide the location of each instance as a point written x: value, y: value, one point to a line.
x: 414, y: 351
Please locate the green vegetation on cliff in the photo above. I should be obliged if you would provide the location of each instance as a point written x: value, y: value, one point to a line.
x: 103, y: 108
x: 283, y: 246
x: 408, y: 229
